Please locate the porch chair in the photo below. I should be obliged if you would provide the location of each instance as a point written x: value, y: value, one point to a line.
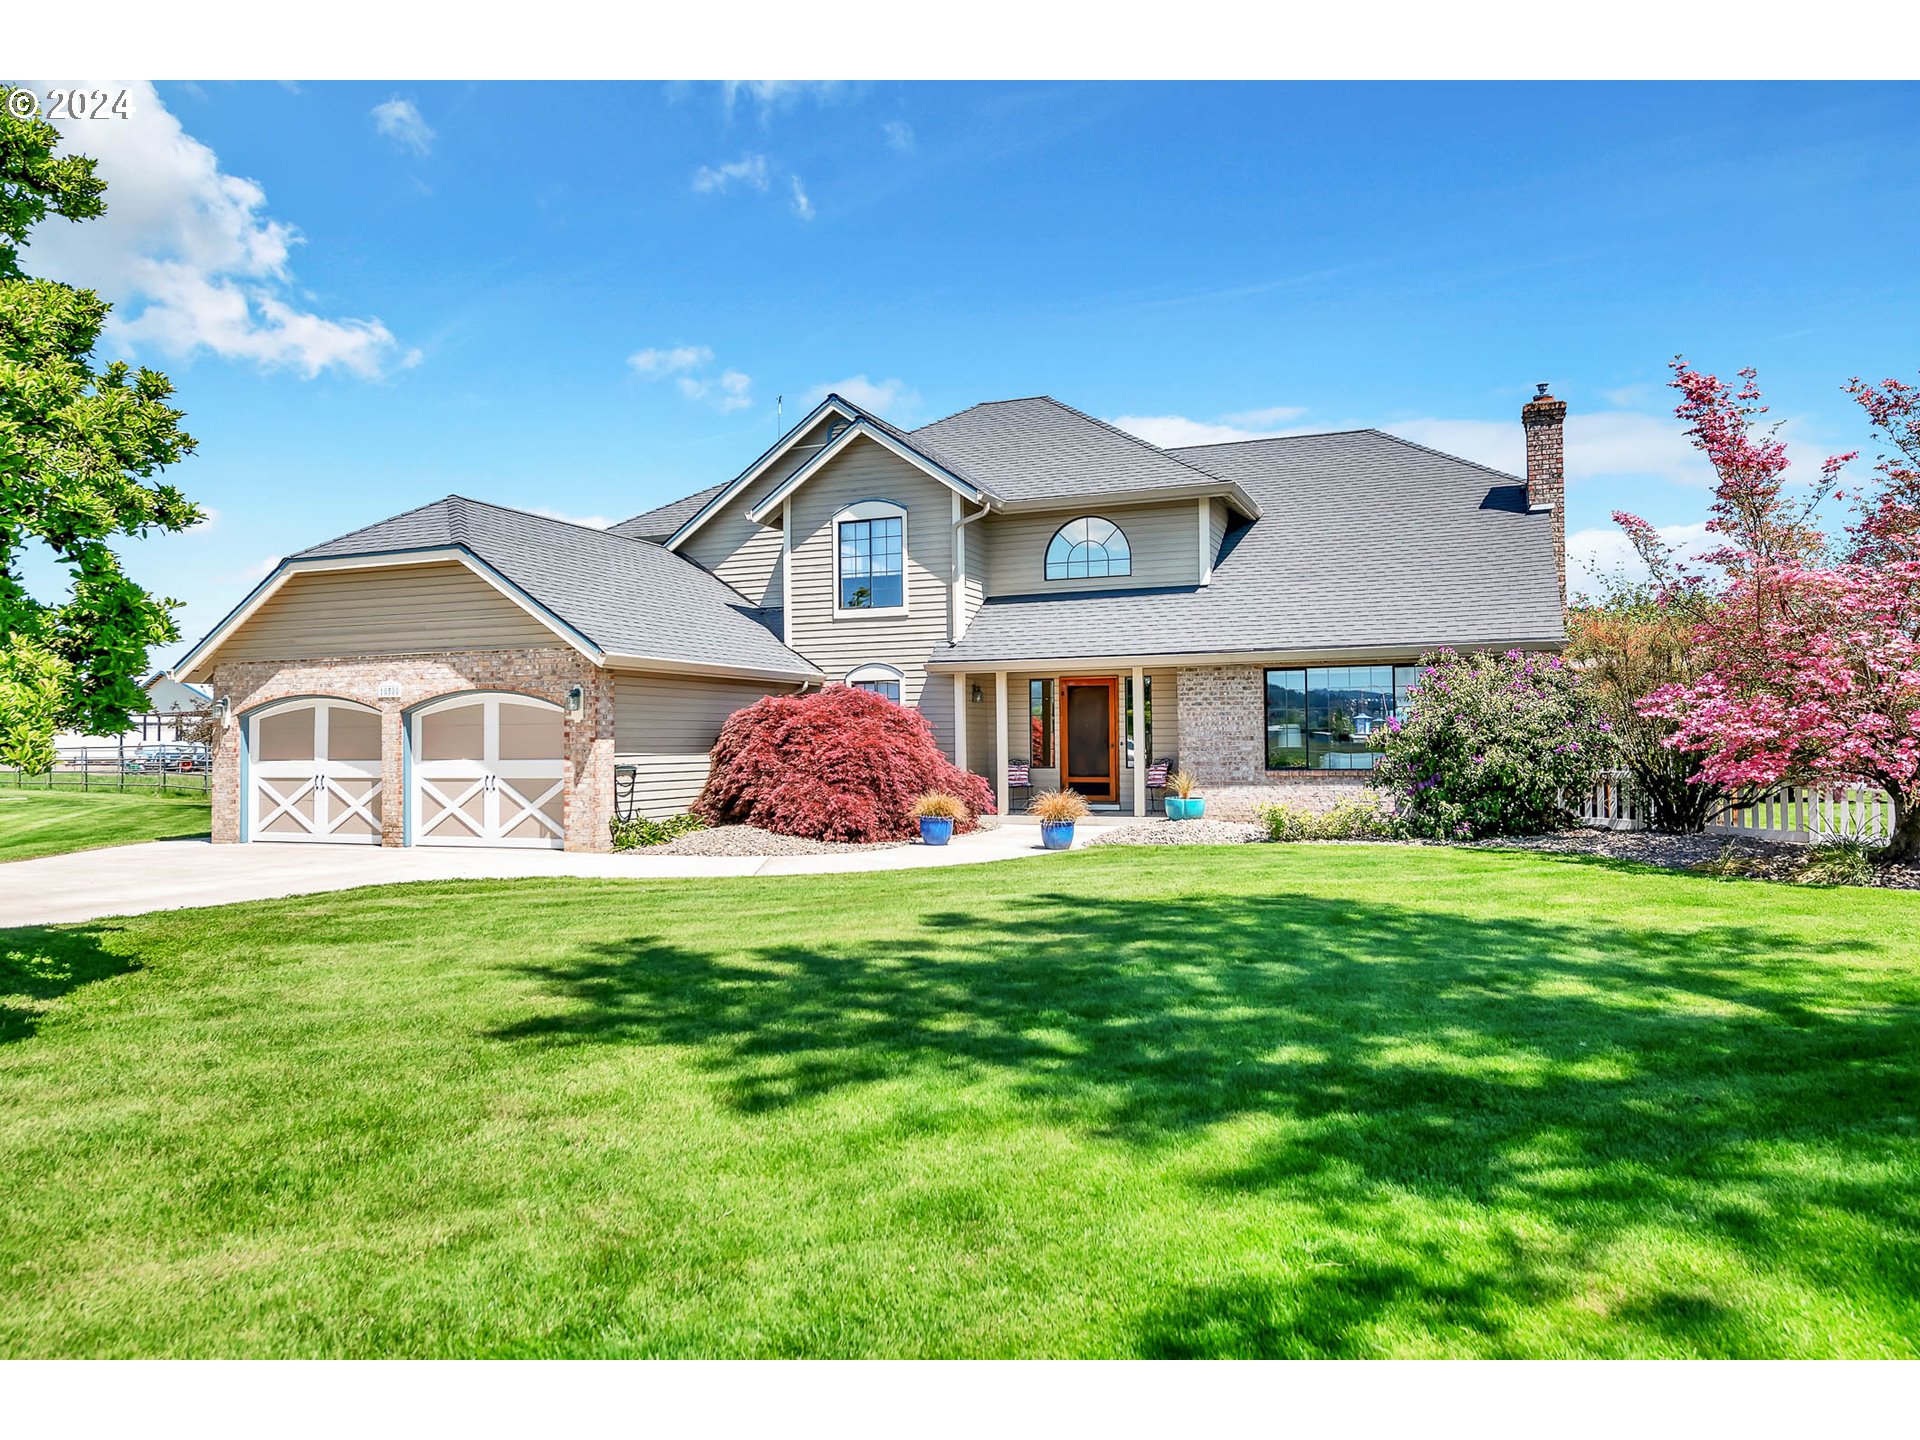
x: 1157, y: 782
x: 1019, y: 777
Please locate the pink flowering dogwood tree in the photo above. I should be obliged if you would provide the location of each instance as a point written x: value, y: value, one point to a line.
x: 1810, y: 660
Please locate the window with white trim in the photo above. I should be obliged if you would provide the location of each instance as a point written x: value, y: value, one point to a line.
x: 870, y: 558
x: 1088, y: 548
x: 881, y: 680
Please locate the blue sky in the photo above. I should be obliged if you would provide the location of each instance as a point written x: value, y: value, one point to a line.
x: 585, y: 298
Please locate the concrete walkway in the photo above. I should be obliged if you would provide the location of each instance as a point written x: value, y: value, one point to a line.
x: 181, y: 874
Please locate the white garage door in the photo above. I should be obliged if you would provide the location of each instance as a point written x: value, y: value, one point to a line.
x: 488, y: 770
x: 313, y: 773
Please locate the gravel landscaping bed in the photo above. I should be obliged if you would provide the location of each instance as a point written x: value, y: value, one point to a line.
x: 1752, y: 859
x: 751, y: 840
x: 1181, y: 832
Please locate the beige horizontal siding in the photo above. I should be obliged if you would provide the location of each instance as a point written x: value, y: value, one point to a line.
x: 402, y: 610
x: 665, y: 726
x: 1164, y: 539
x: 748, y: 556
x: 838, y: 644
x: 1216, y: 527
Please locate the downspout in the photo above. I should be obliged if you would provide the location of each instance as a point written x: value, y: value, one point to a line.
x: 956, y: 626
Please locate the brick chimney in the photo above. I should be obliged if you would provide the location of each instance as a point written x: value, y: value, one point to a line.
x: 1544, y: 419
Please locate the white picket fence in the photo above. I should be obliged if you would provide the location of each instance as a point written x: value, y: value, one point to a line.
x: 1795, y: 814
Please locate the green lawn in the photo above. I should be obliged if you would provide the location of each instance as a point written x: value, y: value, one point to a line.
x: 1251, y: 1101
x: 55, y: 822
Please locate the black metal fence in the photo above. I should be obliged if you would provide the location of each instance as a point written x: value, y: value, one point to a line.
x: 115, y: 771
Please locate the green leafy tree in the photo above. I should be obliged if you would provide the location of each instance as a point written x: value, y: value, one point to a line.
x: 80, y: 450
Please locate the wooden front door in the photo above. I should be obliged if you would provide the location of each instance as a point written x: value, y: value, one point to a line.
x: 1090, y: 711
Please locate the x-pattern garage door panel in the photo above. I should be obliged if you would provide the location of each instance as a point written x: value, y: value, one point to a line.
x: 314, y: 774
x: 489, y: 771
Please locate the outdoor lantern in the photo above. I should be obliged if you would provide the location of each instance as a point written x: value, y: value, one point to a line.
x: 576, y: 701
x: 978, y: 695
x: 226, y: 711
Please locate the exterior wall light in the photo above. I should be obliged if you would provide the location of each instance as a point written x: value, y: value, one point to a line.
x: 976, y: 694
x: 576, y: 701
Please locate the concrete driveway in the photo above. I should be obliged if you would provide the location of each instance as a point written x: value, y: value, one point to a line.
x: 181, y: 874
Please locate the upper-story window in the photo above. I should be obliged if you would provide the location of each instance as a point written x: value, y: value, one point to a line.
x: 1087, y: 549
x: 870, y: 557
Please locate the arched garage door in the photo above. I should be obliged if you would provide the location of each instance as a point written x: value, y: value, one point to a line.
x: 487, y: 770
x: 313, y: 773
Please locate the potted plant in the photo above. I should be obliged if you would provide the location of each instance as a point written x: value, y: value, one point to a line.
x: 937, y: 811
x: 1182, y: 803
x: 1057, y: 810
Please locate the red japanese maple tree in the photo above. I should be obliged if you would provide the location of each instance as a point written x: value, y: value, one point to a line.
x: 1811, y: 658
x: 838, y: 764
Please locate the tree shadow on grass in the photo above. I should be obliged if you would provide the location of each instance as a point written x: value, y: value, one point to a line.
x: 1561, y: 1083
x: 41, y: 963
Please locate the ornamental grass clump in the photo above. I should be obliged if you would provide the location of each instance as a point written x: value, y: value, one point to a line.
x: 1494, y: 745
x: 938, y: 805
x: 1182, y: 783
x: 1349, y: 820
x: 1059, y: 807
x: 640, y: 832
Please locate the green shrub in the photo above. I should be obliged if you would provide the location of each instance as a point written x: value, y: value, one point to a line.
x: 639, y: 832
x: 1493, y: 745
x: 1349, y: 820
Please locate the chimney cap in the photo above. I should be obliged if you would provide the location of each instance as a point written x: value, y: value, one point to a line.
x: 1540, y: 390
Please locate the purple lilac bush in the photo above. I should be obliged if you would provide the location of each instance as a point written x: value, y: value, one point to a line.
x: 1492, y: 745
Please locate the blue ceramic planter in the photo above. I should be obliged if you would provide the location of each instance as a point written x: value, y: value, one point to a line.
x: 1056, y: 834
x: 1189, y: 809
x: 934, y: 830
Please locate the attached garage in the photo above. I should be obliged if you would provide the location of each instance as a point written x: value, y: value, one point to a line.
x: 487, y: 770
x: 313, y: 773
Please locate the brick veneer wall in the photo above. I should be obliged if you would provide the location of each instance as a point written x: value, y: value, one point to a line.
x: 544, y: 673
x: 1223, y: 742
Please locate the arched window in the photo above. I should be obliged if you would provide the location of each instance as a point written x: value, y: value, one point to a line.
x: 882, y: 680
x: 870, y: 558
x: 1087, y: 549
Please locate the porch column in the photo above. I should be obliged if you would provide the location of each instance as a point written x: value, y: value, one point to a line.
x: 1140, y: 756
x: 960, y: 722
x: 1001, y: 797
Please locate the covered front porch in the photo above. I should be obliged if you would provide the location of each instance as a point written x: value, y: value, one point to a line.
x: 1096, y: 730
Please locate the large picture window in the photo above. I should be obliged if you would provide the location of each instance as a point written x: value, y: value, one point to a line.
x: 1324, y: 718
x: 871, y: 557
x: 1088, y: 548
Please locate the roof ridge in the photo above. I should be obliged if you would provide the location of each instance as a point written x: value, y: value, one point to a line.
x: 1295, y: 435
x: 606, y: 530
x: 1148, y: 444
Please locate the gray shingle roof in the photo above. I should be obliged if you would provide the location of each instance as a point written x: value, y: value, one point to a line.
x: 661, y: 521
x: 1365, y: 540
x: 625, y: 595
x: 1039, y: 449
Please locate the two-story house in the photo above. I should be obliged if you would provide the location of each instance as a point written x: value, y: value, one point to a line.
x: 1047, y: 590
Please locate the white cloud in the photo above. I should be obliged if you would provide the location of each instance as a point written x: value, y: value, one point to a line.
x: 899, y: 136
x: 1170, y: 431
x: 1605, y: 551
x: 592, y: 522
x: 1602, y: 443
x: 772, y: 95
x: 748, y: 170
x: 686, y: 366
x: 401, y: 122
x: 189, y: 257
x: 879, y: 396
x: 656, y: 363
x: 802, y: 206
x: 1272, y: 415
